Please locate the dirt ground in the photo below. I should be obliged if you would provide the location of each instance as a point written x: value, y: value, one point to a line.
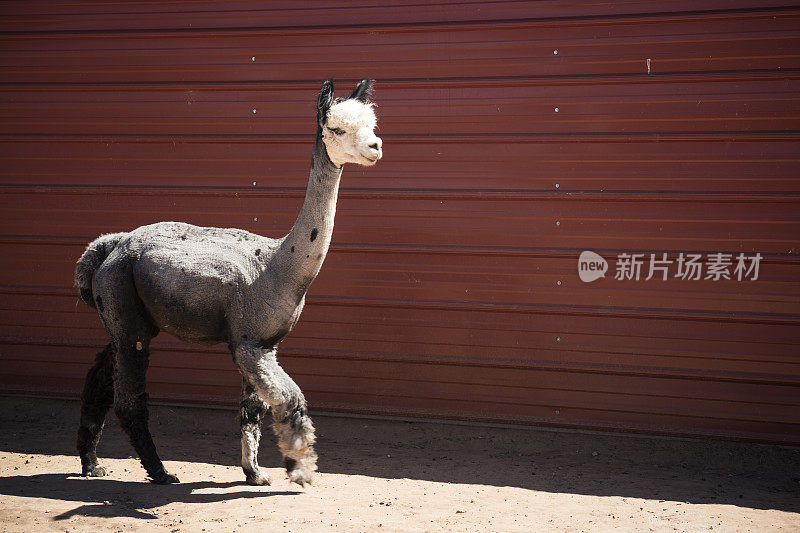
x: 379, y: 475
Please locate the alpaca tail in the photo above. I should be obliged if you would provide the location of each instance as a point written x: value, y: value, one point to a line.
x: 93, y: 257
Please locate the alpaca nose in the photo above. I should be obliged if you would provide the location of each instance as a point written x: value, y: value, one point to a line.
x: 376, y: 145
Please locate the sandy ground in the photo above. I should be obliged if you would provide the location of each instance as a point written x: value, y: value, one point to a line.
x: 378, y: 475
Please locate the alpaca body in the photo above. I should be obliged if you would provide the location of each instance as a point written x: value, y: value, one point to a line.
x: 209, y: 285
x: 193, y: 281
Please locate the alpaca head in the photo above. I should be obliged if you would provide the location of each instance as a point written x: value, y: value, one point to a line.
x: 347, y: 125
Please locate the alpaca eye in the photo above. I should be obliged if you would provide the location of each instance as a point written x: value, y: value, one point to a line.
x: 337, y: 131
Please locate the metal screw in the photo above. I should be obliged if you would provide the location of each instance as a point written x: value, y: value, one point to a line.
x: 558, y: 412
x: 558, y: 222
x: 558, y: 339
x: 558, y: 282
x: 255, y: 110
x: 253, y: 58
x: 255, y: 219
x: 255, y: 183
x: 556, y: 110
x: 555, y: 52
x: 557, y: 185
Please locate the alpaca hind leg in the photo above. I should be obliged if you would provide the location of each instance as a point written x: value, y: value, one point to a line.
x: 96, y: 400
x: 291, y: 423
x: 130, y: 405
x: 130, y: 328
x: 252, y: 410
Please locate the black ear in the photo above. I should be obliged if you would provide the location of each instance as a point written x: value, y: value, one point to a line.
x: 363, y: 90
x: 324, y: 101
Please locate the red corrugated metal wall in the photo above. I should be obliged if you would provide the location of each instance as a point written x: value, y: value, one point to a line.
x: 517, y: 135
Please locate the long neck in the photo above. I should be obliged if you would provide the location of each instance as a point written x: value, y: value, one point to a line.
x: 303, y: 250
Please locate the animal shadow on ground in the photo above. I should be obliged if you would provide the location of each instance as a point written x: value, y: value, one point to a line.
x: 113, y: 498
x: 698, y: 471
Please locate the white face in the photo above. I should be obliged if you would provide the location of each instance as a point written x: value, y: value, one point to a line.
x: 349, y: 134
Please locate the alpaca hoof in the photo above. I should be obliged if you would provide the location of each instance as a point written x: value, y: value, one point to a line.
x: 164, y: 478
x: 258, y: 479
x: 94, y: 471
x: 301, y: 476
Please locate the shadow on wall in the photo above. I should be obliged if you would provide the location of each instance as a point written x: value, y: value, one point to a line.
x: 692, y: 471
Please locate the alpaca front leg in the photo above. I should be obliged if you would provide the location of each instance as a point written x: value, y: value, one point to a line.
x: 295, y: 434
x: 252, y: 410
x: 291, y: 423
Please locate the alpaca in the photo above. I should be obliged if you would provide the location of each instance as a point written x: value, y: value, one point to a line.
x: 212, y: 285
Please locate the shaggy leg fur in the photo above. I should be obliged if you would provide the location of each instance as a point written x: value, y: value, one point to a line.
x: 130, y: 405
x: 291, y: 423
x: 96, y: 400
x: 252, y: 410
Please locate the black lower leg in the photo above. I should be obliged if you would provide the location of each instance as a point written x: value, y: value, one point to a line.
x: 96, y: 400
x: 131, y: 409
